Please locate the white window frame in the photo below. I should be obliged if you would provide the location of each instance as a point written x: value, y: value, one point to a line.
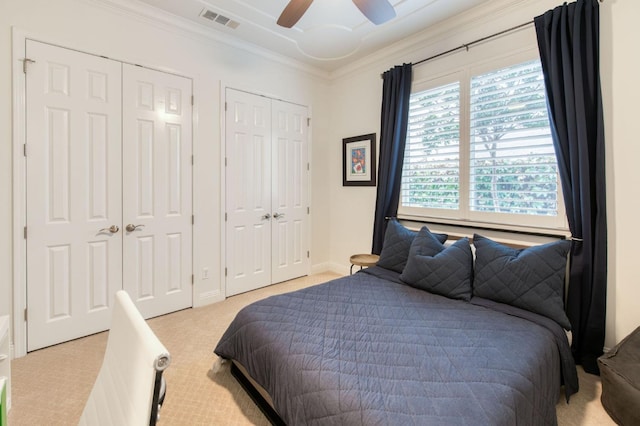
x: 464, y: 216
x: 456, y: 76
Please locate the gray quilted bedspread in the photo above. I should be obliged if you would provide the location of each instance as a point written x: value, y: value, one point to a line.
x: 362, y: 350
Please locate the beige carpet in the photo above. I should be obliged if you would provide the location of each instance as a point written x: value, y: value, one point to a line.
x: 50, y: 386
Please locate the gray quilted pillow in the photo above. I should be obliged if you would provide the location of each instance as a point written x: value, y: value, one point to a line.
x: 446, y: 272
x: 396, y: 245
x: 531, y: 278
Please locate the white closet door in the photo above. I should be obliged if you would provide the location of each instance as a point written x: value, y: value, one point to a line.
x: 248, y: 191
x: 157, y: 211
x: 73, y: 193
x: 267, y: 180
x: 290, y: 187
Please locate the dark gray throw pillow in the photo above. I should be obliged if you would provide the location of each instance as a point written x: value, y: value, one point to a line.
x: 438, y: 269
x: 396, y: 245
x: 531, y: 278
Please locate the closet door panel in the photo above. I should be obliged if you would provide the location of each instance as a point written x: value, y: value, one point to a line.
x: 74, y: 263
x: 157, y: 199
x: 248, y: 191
x: 290, y: 186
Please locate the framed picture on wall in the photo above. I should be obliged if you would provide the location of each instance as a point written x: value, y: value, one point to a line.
x: 359, y: 160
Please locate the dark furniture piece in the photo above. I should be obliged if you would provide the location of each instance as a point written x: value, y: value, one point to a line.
x: 620, y: 375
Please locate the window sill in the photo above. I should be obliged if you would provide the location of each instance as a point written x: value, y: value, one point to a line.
x: 506, y: 233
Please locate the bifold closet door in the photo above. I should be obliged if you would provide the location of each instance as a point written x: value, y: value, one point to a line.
x: 267, y: 205
x: 74, y: 210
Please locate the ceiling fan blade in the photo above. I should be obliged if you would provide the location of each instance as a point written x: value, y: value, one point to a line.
x: 377, y: 11
x: 293, y: 12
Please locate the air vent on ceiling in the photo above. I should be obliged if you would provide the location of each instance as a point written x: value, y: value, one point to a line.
x: 220, y: 19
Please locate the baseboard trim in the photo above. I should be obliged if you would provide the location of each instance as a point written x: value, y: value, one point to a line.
x: 208, y: 298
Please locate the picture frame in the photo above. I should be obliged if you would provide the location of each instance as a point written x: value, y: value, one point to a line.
x: 359, y: 160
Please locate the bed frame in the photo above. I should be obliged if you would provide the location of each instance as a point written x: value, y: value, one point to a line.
x: 257, y: 393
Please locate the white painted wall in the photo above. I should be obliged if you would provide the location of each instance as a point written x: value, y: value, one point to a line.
x: 356, y: 110
x: 620, y: 62
x: 94, y: 27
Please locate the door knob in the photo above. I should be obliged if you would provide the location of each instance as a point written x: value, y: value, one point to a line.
x: 113, y: 229
x: 266, y: 217
x: 131, y: 227
x: 278, y: 215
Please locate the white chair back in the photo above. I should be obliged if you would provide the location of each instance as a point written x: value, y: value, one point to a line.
x: 127, y: 389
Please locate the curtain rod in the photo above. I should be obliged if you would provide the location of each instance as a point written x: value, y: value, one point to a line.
x: 467, y: 45
x: 480, y: 40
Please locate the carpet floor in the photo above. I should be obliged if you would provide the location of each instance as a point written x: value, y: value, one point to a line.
x: 50, y: 386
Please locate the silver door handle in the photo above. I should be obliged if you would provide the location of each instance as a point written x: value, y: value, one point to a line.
x: 113, y: 229
x: 131, y: 227
x: 278, y: 215
x: 266, y: 217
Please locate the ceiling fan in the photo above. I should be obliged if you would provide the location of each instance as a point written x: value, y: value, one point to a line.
x: 377, y: 11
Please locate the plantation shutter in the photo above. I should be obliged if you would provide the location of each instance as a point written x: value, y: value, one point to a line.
x: 431, y: 172
x: 513, y: 166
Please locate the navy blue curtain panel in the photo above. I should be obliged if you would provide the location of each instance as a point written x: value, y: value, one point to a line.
x: 396, y: 91
x: 568, y: 40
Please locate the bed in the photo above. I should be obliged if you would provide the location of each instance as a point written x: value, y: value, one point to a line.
x: 375, y: 348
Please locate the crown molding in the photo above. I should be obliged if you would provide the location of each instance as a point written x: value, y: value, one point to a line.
x: 412, y: 48
x: 147, y: 14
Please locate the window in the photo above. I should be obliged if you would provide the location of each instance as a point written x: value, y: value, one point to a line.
x: 479, y: 150
x: 431, y: 171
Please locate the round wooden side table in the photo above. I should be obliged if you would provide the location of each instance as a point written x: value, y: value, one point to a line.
x: 363, y: 260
